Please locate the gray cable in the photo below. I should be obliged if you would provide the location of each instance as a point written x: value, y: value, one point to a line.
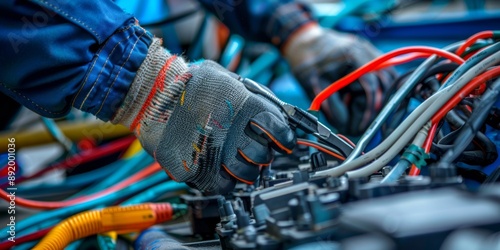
x: 403, y: 164
x: 397, y: 140
x: 394, y: 102
x: 410, y: 126
x: 418, y: 121
x: 386, y: 144
x: 474, y: 60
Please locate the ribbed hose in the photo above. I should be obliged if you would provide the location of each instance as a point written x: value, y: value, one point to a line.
x: 88, y: 223
x: 76, y: 227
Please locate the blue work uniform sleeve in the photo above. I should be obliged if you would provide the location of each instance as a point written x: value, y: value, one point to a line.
x: 57, y: 54
x: 271, y: 21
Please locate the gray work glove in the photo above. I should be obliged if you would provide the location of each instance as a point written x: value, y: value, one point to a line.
x: 201, y: 124
x: 321, y: 56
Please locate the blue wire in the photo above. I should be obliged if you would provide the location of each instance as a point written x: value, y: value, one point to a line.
x: 71, y: 182
x: 54, y: 130
x: 25, y: 246
x: 34, y: 221
x: 234, y: 46
x: 136, y: 162
x: 153, y: 193
x: 262, y: 63
x: 350, y: 7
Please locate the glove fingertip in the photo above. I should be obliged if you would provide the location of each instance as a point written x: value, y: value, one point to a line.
x: 275, y: 130
x: 251, y: 156
x: 235, y: 176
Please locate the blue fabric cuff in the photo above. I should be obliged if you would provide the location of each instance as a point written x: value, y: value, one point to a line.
x: 112, y: 70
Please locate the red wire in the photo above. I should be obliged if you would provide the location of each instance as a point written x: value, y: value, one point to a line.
x: 471, y: 40
x: 4, y: 171
x: 84, y: 157
x: 430, y: 137
x: 26, y: 238
x: 402, y: 59
x: 324, y: 150
x: 348, y: 79
x: 151, y: 169
x: 471, y: 86
x: 414, y: 171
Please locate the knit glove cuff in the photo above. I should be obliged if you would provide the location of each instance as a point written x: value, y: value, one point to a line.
x: 156, y: 89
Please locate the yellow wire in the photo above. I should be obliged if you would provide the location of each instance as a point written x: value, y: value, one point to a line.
x: 134, y: 148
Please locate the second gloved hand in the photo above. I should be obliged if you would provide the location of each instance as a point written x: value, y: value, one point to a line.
x: 320, y: 56
x: 202, y: 125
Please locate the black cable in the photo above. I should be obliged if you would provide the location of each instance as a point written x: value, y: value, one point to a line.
x: 476, y: 120
x: 488, y: 153
x: 494, y: 118
x: 9, y: 110
x: 397, y: 83
x: 436, y: 69
x: 472, y: 174
x: 322, y: 146
x: 441, y: 68
x: 428, y: 79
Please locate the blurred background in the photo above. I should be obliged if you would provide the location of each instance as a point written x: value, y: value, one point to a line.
x: 78, y: 155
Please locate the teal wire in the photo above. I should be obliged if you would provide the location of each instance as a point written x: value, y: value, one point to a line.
x: 34, y: 221
x: 25, y: 246
x: 262, y: 63
x: 234, y: 46
x: 153, y: 193
x: 138, y: 161
x: 349, y: 8
x: 71, y: 182
x: 131, y: 165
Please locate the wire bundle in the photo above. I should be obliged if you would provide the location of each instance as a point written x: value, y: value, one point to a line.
x: 440, y: 86
x: 453, y: 85
x: 134, y: 183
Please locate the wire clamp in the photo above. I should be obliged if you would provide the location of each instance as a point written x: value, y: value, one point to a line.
x: 415, y: 155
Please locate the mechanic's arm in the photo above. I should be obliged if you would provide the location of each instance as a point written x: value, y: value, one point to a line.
x: 198, y: 122
x: 317, y: 56
x: 56, y: 55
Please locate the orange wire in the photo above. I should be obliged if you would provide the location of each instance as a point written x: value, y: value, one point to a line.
x: 348, y: 79
x: 343, y: 137
x: 324, y: 150
x: 473, y: 39
x: 151, y: 169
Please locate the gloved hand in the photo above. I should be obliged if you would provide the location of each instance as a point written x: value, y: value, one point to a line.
x: 201, y: 124
x: 321, y: 56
